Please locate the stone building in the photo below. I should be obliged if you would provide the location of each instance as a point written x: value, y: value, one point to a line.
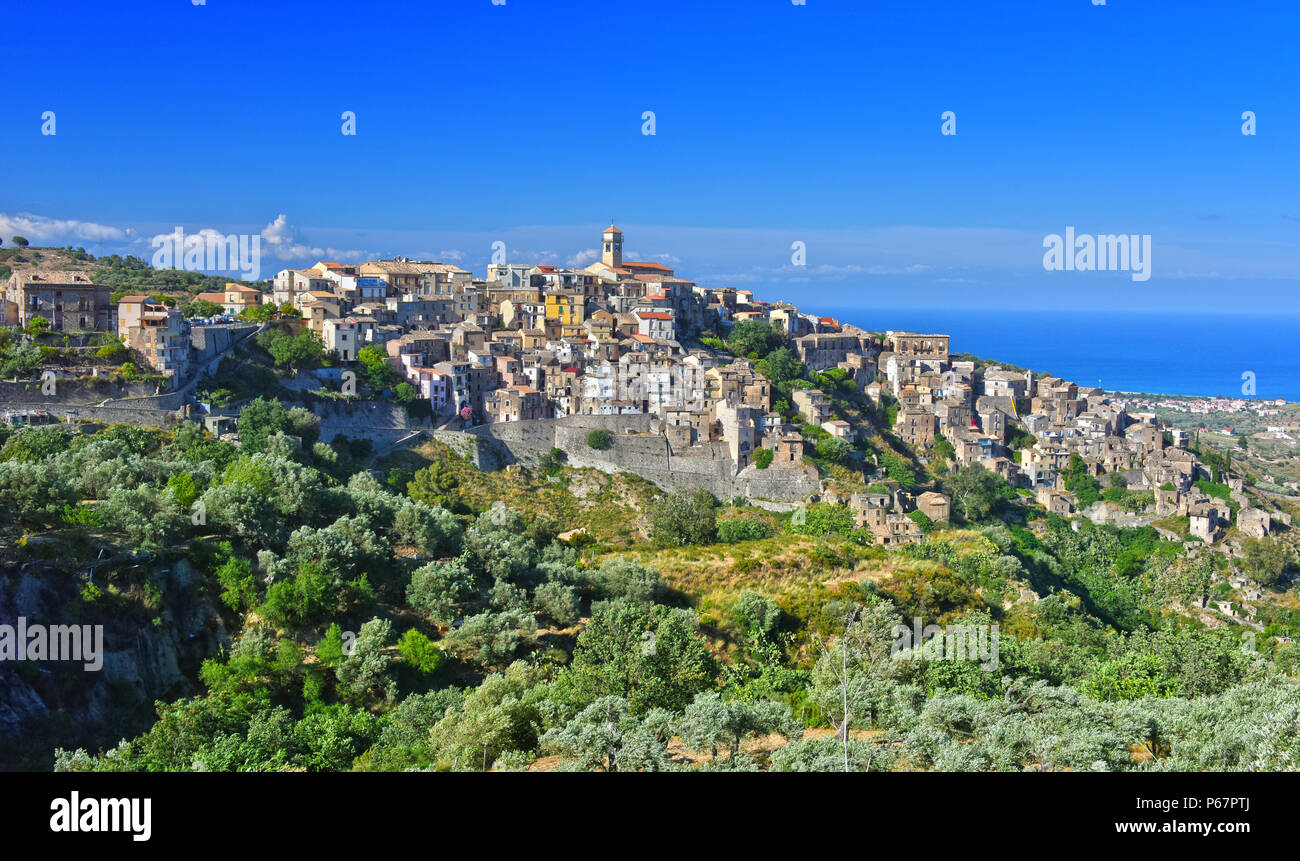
x: 910, y: 345
x: 915, y: 427
x: 1204, y: 522
x: 69, y: 301
x: 935, y: 506
x: 813, y: 405
x: 1253, y: 522
x: 513, y: 404
x: 158, y: 333
x: 1054, y: 501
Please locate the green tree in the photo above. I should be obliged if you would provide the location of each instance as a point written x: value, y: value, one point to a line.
x: 833, y: 450
x: 557, y: 602
x: 185, y: 488
x: 436, y: 486
x: 734, y: 529
x: 433, y: 531
x: 552, y: 463
x: 419, y: 652
x: 112, y: 353
x: 852, y: 680
x: 756, y: 615
x: 1264, y: 559
x: 898, y: 469
x: 437, y: 588
x: 491, y: 639
x: 1080, y: 482
x: 364, y: 675
x: 754, y: 336
x: 781, y: 365
x: 684, y: 517
x: 501, y: 716
x: 258, y: 420
x: 201, y: 308
x: 378, y: 372
x: 623, y: 578
x: 975, y: 490
x: 330, y: 649
x: 607, y: 736
x: 150, y: 519
x: 311, y: 596
x: 649, y: 654
x: 238, y: 583
x: 295, y: 352
x: 823, y: 518
x: 921, y: 519
x: 712, y: 723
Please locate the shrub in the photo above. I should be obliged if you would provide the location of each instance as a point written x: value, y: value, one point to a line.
x: 763, y: 459
x: 684, y: 517
x: 756, y: 614
x: 921, y: 519
x: 823, y: 518
x: 833, y: 450
x: 111, y: 353
x: 552, y: 463
x: 734, y: 529
x: 557, y: 602
x: 419, y: 652
x: 599, y: 439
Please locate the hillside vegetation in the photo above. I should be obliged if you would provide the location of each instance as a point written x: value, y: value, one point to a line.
x: 337, y: 613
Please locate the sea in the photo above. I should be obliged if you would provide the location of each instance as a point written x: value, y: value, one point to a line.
x: 1199, y: 354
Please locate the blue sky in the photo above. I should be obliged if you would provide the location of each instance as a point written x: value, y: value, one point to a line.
x: 775, y: 123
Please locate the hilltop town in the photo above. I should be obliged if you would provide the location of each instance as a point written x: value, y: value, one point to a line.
x: 683, y: 383
x: 503, y: 473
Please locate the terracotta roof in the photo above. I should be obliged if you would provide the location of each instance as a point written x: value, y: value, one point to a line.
x: 612, y: 229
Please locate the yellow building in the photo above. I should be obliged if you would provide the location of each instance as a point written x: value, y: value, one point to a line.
x: 569, y: 310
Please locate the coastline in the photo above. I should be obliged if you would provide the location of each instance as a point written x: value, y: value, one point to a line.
x: 1176, y: 355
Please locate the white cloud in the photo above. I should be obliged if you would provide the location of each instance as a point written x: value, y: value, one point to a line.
x: 205, y: 234
x: 39, y: 229
x: 582, y: 258
x: 665, y: 258
x: 282, y: 243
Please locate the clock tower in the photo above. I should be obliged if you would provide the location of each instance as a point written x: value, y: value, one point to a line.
x: 612, y: 247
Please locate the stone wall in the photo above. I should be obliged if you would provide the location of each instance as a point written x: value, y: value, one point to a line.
x: 382, y: 422
x: 211, y: 344
x: 68, y: 391
x: 636, y: 447
x: 122, y: 415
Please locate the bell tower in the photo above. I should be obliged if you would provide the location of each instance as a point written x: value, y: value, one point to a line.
x: 612, y: 247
